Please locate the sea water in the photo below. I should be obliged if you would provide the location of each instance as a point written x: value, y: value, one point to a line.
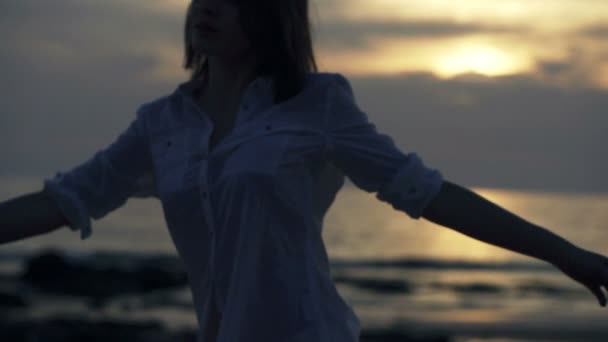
x: 395, y: 271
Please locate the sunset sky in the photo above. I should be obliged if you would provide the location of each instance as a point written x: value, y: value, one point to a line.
x: 510, y: 93
x: 493, y: 38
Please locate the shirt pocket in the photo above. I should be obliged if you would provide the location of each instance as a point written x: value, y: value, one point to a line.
x: 169, y: 155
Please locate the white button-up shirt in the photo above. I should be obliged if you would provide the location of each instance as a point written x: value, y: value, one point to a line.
x: 246, y: 217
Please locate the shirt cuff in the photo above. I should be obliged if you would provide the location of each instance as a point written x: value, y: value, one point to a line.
x: 70, y: 205
x: 412, y: 188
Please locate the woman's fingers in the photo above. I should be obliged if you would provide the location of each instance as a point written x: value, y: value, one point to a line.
x: 597, y: 291
x: 602, y: 277
x: 601, y: 280
x: 589, y: 269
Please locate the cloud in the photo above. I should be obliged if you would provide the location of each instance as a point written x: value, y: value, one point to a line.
x: 580, y: 67
x: 70, y: 65
x: 599, y: 31
x: 346, y: 33
x: 516, y: 132
x: 74, y: 72
x: 70, y: 34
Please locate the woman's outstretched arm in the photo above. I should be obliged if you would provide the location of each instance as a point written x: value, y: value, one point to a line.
x: 471, y: 214
x: 29, y: 215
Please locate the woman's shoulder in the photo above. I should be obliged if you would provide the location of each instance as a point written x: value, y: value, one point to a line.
x: 154, y: 105
x: 325, y: 78
x: 320, y: 83
x: 155, y: 114
x: 331, y: 83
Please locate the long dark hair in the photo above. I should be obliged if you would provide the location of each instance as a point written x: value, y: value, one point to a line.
x: 279, y: 31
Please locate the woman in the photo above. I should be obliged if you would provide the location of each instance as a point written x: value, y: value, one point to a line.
x: 246, y: 158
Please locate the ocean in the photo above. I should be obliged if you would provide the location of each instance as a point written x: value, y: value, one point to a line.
x: 394, y: 271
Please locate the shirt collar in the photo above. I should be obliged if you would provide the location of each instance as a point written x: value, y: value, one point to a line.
x: 258, y: 96
x: 260, y: 89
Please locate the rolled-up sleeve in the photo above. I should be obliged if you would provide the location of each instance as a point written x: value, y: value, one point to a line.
x: 371, y: 159
x: 106, y: 180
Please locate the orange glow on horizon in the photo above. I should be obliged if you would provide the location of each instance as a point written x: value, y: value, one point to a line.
x: 447, y: 58
x: 485, y: 60
x: 497, y: 39
x: 450, y: 38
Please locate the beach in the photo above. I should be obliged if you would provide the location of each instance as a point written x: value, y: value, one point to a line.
x: 406, y: 280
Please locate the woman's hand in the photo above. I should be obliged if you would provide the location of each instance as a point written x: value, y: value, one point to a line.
x: 587, y: 268
x: 465, y: 211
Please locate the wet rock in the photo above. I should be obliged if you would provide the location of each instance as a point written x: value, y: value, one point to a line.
x: 66, y: 329
x: 543, y: 288
x: 376, y: 285
x: 397, y: 336
x: 11, y: 300
x: 102, y: 275
x: 72, y: 329
x: 469, y: 288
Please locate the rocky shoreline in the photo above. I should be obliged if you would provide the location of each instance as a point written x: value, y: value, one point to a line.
x: 102, y: 280
x: 73, y: 329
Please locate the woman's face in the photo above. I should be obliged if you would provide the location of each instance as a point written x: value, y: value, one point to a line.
x: 227, y: 39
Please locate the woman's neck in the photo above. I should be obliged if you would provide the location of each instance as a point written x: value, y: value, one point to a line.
x: 227, y: 79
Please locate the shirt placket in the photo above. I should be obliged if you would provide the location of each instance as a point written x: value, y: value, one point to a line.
x: 205, y: 197
x: 206, y: 204
x: 203, y: 159
x: 207, y: 209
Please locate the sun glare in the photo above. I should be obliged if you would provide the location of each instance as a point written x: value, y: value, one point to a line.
x: 484, y: 60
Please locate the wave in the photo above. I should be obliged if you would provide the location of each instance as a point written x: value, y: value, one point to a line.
x: 429, y: 263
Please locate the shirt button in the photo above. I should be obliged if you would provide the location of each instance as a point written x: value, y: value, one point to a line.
x: 268, y: 127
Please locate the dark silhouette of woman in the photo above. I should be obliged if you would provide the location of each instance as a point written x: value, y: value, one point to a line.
x: 246, y: 157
